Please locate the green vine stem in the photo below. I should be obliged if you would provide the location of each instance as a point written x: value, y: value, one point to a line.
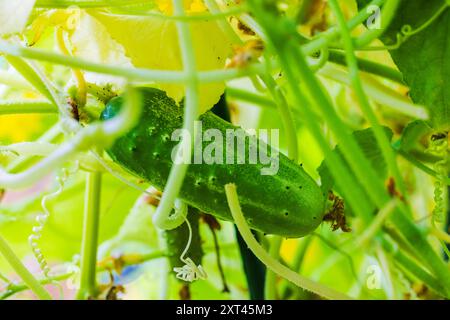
x: 136, y: 74
x: 264, y: 256
x: 88, y: 287
x: 297, y: 262
x: 421, y: 166
x: 162, y: 218
x: 270, y: 288
x: 223, y: 24
x: 288, y: 125
x: 409, y: 266
x: 22, y: 272
x: 39, y: 81
x: 361, y: 240
x: 402, y: 36
x: 336, y: 166
x: 325, y: 38
x: 351, y: 151
x: 197, y: 17
x: 253, y: 98
x: 13, y: 289
x: 378, y: 92
x: 386, y: 269
x: 49, y: 136
x: 30, y: 75
x: 368, y: 66
x: 387, y: 15
x: 21, y: 107
x: 87, y: 3
x: 99, y: 134
x: 129, y: 259
x: 352, y: 63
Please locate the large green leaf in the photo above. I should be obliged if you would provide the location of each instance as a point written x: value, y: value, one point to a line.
x: 424, y: 59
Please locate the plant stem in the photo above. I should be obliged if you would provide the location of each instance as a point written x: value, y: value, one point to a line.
x: 368, y: 66
x: 162, y: 218
x: 286, y: 116
x: 410, y: 266
x: 23, y: 272
x: 331, y: 34
x: 253, y: 98
x: 137, y: 74
x: 13, y: 289
x: 272, y: 264
x: 387, y: 15
x: 97, y: 134
x: 352, y: 63
x: 87, y: 3
x: 270, y: 283
x: 30, y: 75
x: 419, y: 165
x: 22, y: 107
x: 289, y: 62
x: 89, y: 243
x: 192, y: 18
x: 378, y: 92
x: 371, y: 182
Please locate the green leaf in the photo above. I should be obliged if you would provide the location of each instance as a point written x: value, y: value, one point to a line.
x: 368, y: 143
x: 424, y: 59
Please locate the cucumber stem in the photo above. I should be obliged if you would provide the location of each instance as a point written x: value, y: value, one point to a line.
x: 264, y: 256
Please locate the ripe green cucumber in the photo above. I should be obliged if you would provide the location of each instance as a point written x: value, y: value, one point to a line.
x: 288, y: 203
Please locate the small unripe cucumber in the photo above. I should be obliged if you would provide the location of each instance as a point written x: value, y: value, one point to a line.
x: 288, y: 203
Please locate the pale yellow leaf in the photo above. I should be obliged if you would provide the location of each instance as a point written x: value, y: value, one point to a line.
x: 153, y: 43
x: 14, y: 15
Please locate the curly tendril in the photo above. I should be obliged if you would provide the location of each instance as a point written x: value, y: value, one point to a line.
x: 190, y: 271
x: 42, y: 218
x: 439, y: 147
x: 407, y: 31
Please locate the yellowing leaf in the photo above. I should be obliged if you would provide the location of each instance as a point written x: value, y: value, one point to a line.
x: 151, y: 42
x: 19, y: 128
x: 14, y: 15
x: 91, y: 40
x: 190, y: 6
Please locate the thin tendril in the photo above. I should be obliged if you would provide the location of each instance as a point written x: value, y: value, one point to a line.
x: 120, y: 177
x: 190, y: 271
x: 37, y: 229
x: 439, y: 147
x: 407, y: 32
